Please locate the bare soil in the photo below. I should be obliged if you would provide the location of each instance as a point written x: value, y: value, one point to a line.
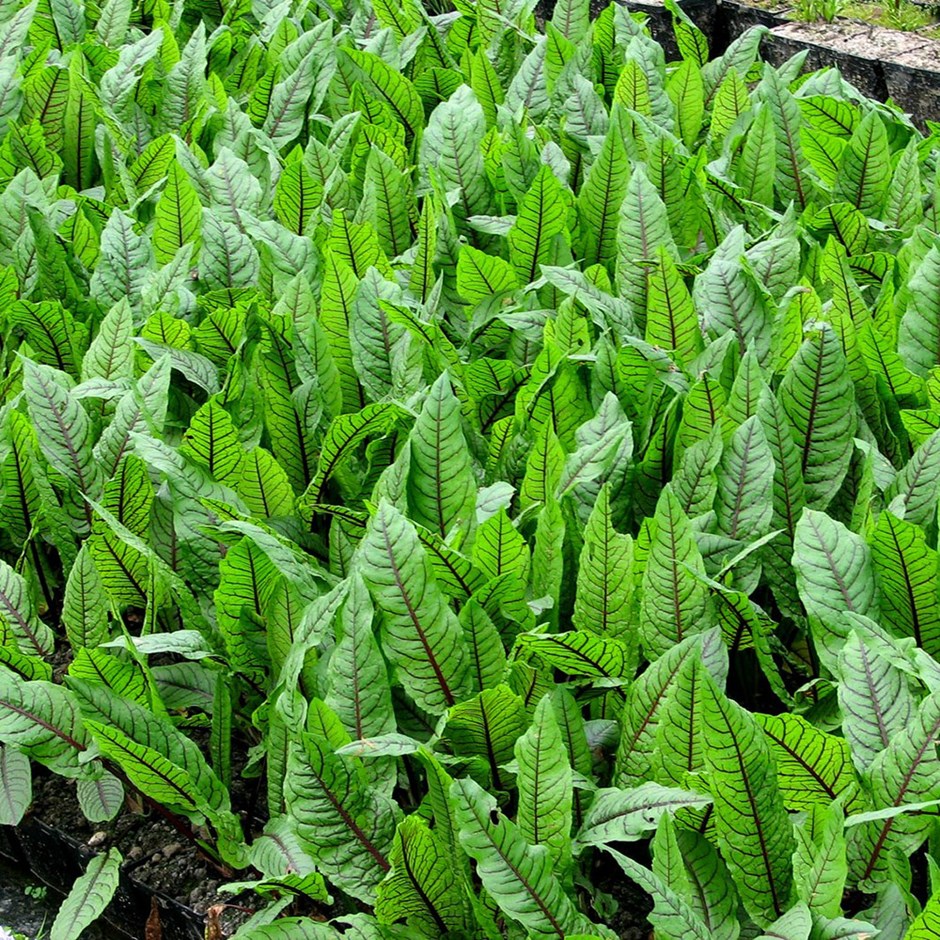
x: 155, y: 854
x: 854, y: 37
x: 29, y: 908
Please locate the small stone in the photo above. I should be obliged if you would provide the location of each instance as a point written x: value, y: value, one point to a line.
x: 135, y: 852
x: 194, y: 896
x: 157, y: 857
x: 98, y: 838
x: 172, y: 849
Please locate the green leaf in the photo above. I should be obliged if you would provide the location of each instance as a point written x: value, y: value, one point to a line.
x: 729, y: 297
x: 906, y: 570
x: 572, y: 19
x: 344, y: 434
x: 500, y: 549
x: 628, y: 815
x: 694, y: 481
x: 906, y: 771
x: 420, y: 888
x: 153, y: 163
x: 544, y: 468
x: 603, y: 599
x: 730, y: 99
x: 673, y: 916
x: 794, y: 925
x: 833, y: 574
x: 178, y: 216
x: 671, y: 321
x: 600, y: 197
x: 548, y: 559
x: 487, y: 655
x: 124, y: 258
x: 90, y: 895
x: 488, y: 726
x: 865, y: 167
x: 518, y: 876
x: 643, y: 708
x: 264, y: 486
x: 926, y: 925
x: 420, y: 634
x: 817, y: 396
x: 247, y: 578
x: 689, y: 864
x: 42, y: 720
x: 359, y: 691
x: 16, y: 786
x: 227, y: 257
x: 643, y: 229
x: 812, y: 767
x: 141, y: 408
x: 391, y: 87
x: 20, y: 503
x: 674, y: 602
x: 751, y: 823
x: 385, y: 202
x: 756, y: 170
x: 296, y: 197
x: 544, y: 783
x: 213, y: 442
x: 186, y: 83
x: 111, y: 353
x: 745, y: 480
x: 539, y: 221
x: 147, y: 769
x: 919, y: 329
x: 102, y: 799
x: 788, y: 497
x: 903, y: 207
x: 874, y: 696
x: 18, y: 616
x: 685, y: 87
x: 693, y: 45
x: 481, y: 276
x: 678, y: 735
x: 792, y: 180
x: 582, y: 654
x: 451, y: 144
x: 632, y: 90
x: 603, y: 442
x: 305, y: 84
x: 113, y: 22
x: 819, y: 863
x: 442, y: 493
x: 346, y: 828
x: 51, y: 331
x: 78, y: 138
x: 62, y: 426
x: 919, y: 483
x: 99, y: 665
x: 140, y: 737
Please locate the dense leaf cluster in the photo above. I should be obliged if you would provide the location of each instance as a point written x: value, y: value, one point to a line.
x: 516, y: 454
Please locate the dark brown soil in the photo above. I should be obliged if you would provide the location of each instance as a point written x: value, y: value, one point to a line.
x: 634, y: 904
x: 630, y: 921
x: 155, y: 854
x: 29, y: 908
